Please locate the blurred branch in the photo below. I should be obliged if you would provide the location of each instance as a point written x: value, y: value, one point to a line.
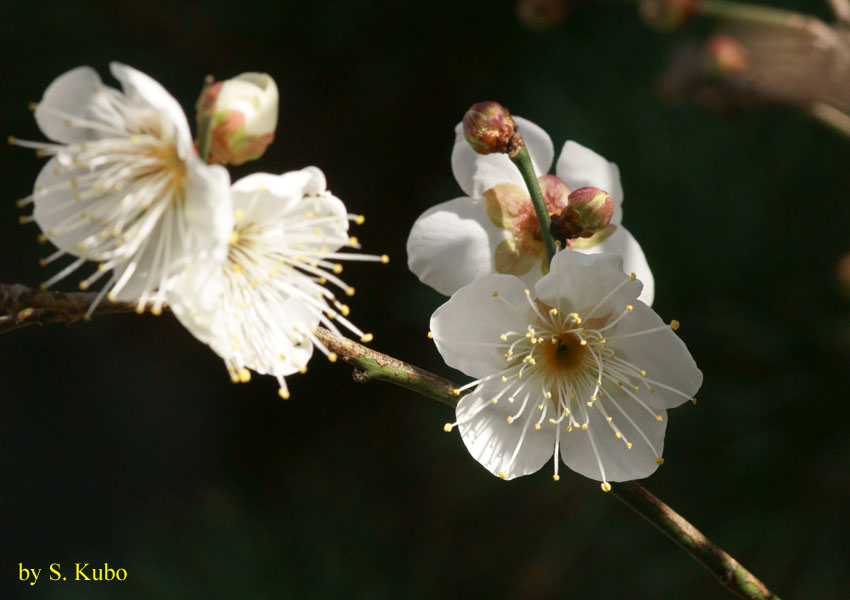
x: 26, y: 306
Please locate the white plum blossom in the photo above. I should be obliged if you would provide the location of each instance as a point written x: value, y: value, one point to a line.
x: 579, y: 368
x: 124, y: 186
x: 494, y: 229
x: 259, y: 307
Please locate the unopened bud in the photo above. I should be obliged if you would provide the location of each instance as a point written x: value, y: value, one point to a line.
x: 243, y: 113
x: 667, y: 15
x: 542, y: 14
x: 489, y: 128
x: 588, y: 211
x: 725, y: 56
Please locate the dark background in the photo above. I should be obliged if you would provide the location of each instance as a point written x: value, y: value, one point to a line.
x: 123, y: 441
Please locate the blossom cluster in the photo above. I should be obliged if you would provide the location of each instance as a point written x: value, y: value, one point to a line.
x: 126, y: 196
x: 568, y: 359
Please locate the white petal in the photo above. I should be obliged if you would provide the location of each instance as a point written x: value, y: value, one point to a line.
x: 453, y: 244
x: 144, y: 90
x: 55, y: 208
x: 477, y: 173
x: 662, y: 354
x: 69, y: 94
x: 619, y: 463
x: 493, y: 442
x: 622, y: 242
x: 581, y: 282
x: 582, y: 167
x: 467, y: 328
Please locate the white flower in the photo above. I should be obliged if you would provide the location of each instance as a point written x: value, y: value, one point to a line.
x: 579, y: 368
x: 259, y: 307
x: 493, y: 229
x: 244, y: 117
x: 124, y: 187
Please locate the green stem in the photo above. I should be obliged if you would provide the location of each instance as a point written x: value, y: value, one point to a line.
x: 728, y: 571
x: 25, y: 306
x: 522, y: 160
x: 204, y: 137
x: 740, y: 11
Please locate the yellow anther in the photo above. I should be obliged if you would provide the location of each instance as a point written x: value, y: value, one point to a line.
x: 549, y: 395
x: 84, y: 285
x: 332, y: 356
x: 234, y: 238
x: 283, y: 393
x: 112, y: 296
x: 244, y: 375
x: 12, y: 140
x: 504, y: 379
x: 632, y: 277
x: 22, y: 219
x: 495, y: 400
x: 503, y: 337
x: 353, y: 241
x: 42, y: 262
x: 628, y: 445
x: 659, y: 461
x: 238, y: 215
x: 156, y: 310
x: 618, y: 435
x: 584, y: 426
x: 511, y: 399
x: 385, y: 258
x: 42, y: 239
x: 430, y: 335
x: 609, y: 419
x: 447, y: 427
x: 510, y: 420
x: 537, y: 426
x: 360, y: 219
x: 694, y: 401
x: 556, y: 477
x: 583, y: 343
x: 456, y: 392
x: 366, y: 337
x: 551, y: 420
x: 343, y: 308
x: 337, y: 268
x: 236, y: 267
x: 606, y: 487
x: 102, y: 267
x: 303, y: 369
x: 281, y: 356
x: 503, y: 475
x: 234, y: 377
x: 643, y: 372
x: 630, y: 308
x: 659, y: 418
x: 674, y: 325
x: 349, y: 291
x: 526, y: 292
x: 323, y: 280
x: 553, y: 311
x: 495, y: 293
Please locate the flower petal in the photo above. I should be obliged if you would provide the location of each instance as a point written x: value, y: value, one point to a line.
x: 466, y: 329
x: 662, y: 354
x: 144, y: 90
x: 584, y: 282
x: 70, y: 94
x: 505, y: 449
x: 479, y: 172
x: 583, y: 450
x: 452, y: 244
x: 582, y: 167
x: 622, y: 242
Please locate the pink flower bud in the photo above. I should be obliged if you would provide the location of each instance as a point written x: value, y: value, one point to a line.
x: 243, y: 113
x: 667, y: 15
x: 725, y: 56
x: 588, y: 211
x: 488, y: 127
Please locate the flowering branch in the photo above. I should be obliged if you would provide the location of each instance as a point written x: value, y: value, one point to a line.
x: 26, y: 306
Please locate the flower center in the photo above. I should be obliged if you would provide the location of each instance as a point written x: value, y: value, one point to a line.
x: 564, y: 354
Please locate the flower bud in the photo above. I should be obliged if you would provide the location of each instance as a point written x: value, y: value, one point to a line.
x: 725, y: 56
x: 667, y: 15
x: 588, y: 211
x: 488, y: 127
x: 243, y: 113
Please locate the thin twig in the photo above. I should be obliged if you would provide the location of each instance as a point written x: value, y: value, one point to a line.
x: 27, y: 306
